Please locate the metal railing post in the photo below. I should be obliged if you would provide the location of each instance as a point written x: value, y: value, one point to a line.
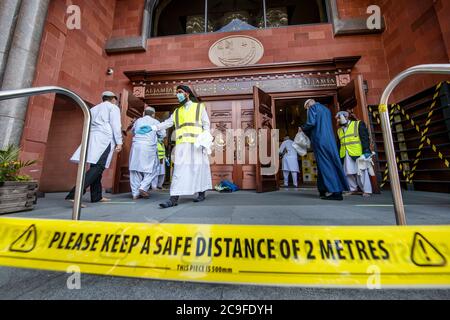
x: 387, y: 132
x: 20, y: 93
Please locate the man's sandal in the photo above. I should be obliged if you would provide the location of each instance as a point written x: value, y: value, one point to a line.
x: 73, y: 201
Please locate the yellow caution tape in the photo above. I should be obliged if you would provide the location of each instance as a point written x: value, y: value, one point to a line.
x: 382, y: 108
x: 273, y: 255
x: 409, y: 177
x: 386, y: 172
x: 424, y: 132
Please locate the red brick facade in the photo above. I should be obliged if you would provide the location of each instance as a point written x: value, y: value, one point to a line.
x: 73, y: 59
x: 417, y: 32
x: 353, y: 9
x: 128, y: 19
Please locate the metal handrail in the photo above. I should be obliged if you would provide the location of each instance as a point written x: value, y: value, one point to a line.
x: 387, y: 132
x: 20, y: 93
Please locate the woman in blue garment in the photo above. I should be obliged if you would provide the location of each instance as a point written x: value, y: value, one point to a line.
x: 330, y: 176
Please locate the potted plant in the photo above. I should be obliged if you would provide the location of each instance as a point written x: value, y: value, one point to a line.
x: 17, y: 192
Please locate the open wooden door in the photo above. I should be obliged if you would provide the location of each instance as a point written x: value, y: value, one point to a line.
x: 122, y: 174
x: 353, y: 98
x: 264, y: 117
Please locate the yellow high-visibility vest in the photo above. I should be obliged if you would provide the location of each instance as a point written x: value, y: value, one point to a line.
x: 188, y: 123
x: 161, y: 151
x: 350, y: 141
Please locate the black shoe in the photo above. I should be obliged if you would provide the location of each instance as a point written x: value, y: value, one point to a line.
x: 335, y: 197
x: 322, y: 195
x: 201, y: 197
x: 172, y: 202
x: 168, y: 204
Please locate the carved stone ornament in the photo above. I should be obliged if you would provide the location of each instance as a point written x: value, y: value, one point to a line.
x: 236, y: 51
x: 343, y: 80
x: 139, y: 92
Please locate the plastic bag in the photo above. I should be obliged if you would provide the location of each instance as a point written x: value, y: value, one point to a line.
x: 301, y: 144
x: 226, y: 186
x: 302, y: 140
x: 204, y: 140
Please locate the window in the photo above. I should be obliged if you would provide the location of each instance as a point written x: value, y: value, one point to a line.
x: 173, y: 17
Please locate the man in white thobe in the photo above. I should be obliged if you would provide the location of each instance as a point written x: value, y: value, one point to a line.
x: 354, y: 142
x: 290, y: 161
x: 191, y: 173
x: 144, y: 164
x: 104, y: 139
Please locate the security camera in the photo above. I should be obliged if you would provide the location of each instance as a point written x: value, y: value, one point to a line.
x: 110, y: 71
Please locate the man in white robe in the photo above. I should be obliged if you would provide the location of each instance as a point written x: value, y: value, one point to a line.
x: 290, y: 161
x: 144, y: 164
x: 191, y: 173
x: 353, y: 145
x: 104, y: 139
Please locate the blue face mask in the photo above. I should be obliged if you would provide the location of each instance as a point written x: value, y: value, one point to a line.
x: 180, y: 97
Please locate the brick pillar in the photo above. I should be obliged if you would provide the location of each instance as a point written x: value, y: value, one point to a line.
x: 40, y: 108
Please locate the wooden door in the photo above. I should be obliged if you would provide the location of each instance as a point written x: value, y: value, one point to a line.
x: 245, y: 167
x: 122, y: 174
x: 221, y: 117
x: 237, y: 165
x: 264, y: 117
x: 353, y: 98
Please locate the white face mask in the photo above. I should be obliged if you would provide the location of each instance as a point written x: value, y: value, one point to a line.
x: 342, y: 120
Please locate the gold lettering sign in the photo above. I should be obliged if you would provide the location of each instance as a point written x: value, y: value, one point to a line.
x: 160, y: 90
x: 239, y: 87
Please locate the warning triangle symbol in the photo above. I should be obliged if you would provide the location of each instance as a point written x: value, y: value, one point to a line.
x: 425, y: 254
x: 26, y: 241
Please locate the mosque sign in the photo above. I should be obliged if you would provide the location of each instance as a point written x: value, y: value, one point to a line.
x: 240, y: 86
x: 322, y: 75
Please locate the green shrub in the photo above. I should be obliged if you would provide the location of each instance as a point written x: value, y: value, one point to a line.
x: 10, y: 165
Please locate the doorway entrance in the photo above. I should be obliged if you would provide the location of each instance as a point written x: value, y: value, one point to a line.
x: 290, y: 115
x: 249, y: 98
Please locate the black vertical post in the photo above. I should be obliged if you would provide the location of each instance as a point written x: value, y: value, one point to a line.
x: 265, y: 13
x: 206, y: 16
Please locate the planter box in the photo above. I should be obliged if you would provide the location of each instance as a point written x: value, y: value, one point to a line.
x: 17, y: 196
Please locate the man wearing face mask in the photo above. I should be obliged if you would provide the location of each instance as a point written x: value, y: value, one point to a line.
x: 191, y: 172
x: 354, y: 143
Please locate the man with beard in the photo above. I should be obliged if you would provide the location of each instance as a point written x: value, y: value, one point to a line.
x: 191, y: 173
x: 354, y: 143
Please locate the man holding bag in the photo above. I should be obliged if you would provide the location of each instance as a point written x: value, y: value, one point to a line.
x: 191, y: 173
x: 330, y: 175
